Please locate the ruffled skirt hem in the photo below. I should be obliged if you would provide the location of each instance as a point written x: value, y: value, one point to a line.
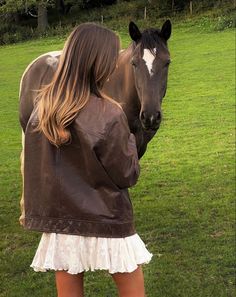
x: 76, y: 254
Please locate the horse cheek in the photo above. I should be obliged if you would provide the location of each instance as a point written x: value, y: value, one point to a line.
x: 142, y: 139
x: 141, y: 145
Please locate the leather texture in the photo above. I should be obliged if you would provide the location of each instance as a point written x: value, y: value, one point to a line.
x: 81, y: 187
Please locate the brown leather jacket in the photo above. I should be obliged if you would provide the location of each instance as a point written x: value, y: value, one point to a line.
x: 82, y: 187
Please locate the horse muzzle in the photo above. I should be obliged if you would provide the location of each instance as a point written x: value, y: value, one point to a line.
x: 152, y: 121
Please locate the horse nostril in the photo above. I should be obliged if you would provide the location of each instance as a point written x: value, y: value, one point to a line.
x: 158, y: 115
x: 142, y: 115
x: 151, y: 121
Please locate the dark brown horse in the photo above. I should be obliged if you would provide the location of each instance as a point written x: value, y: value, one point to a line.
x: 139, y: 82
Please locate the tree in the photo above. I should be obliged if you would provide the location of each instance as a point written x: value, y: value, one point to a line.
x: 42, y: 16
x: 11, y: 6
x: 64, y: 6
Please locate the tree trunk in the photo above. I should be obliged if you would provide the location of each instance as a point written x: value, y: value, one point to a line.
x: 173, y: 5
x: 42, y: 17
x: 145, y: 13
x: 191, y: 7
x: 60, y: 6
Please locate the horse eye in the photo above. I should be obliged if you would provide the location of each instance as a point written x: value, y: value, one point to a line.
x: 133, y: 63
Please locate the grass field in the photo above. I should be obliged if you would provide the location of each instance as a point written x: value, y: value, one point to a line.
x: 183, y: 202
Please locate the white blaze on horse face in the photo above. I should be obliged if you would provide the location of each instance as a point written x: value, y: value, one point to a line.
x: 148, y: 57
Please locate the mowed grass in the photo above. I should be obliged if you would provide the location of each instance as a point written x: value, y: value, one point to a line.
x: 184, y: 200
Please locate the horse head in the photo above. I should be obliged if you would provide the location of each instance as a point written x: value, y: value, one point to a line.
x: 150, y: 60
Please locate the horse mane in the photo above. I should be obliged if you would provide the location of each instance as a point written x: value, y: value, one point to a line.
x: 151, y: 38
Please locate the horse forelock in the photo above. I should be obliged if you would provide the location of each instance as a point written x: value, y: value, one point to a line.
x: 150, y: 39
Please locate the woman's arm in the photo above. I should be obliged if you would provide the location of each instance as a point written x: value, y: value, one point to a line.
x: 117, y: 153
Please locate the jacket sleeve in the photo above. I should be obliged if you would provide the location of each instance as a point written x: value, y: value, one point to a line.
x: 118, y: 153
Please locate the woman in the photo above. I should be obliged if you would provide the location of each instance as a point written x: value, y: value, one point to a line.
x: 79, y: 161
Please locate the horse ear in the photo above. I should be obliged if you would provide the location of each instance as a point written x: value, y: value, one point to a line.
x: 134, y: 32
x: 166, y: 30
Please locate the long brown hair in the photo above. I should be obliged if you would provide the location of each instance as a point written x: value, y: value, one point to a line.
x: 88, y: 58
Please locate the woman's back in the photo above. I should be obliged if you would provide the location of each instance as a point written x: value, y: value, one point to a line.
x: 85, y: 180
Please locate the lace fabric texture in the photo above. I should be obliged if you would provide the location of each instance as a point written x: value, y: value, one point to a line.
x: 75, y: 253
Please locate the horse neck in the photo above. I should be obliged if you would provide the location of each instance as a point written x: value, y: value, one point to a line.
x: 126, y: 76
x: 125, y: 68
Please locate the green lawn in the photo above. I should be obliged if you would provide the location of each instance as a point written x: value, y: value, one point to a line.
x: 183, y: 202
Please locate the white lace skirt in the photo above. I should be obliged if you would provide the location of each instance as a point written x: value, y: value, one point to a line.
x: 75, y: 253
